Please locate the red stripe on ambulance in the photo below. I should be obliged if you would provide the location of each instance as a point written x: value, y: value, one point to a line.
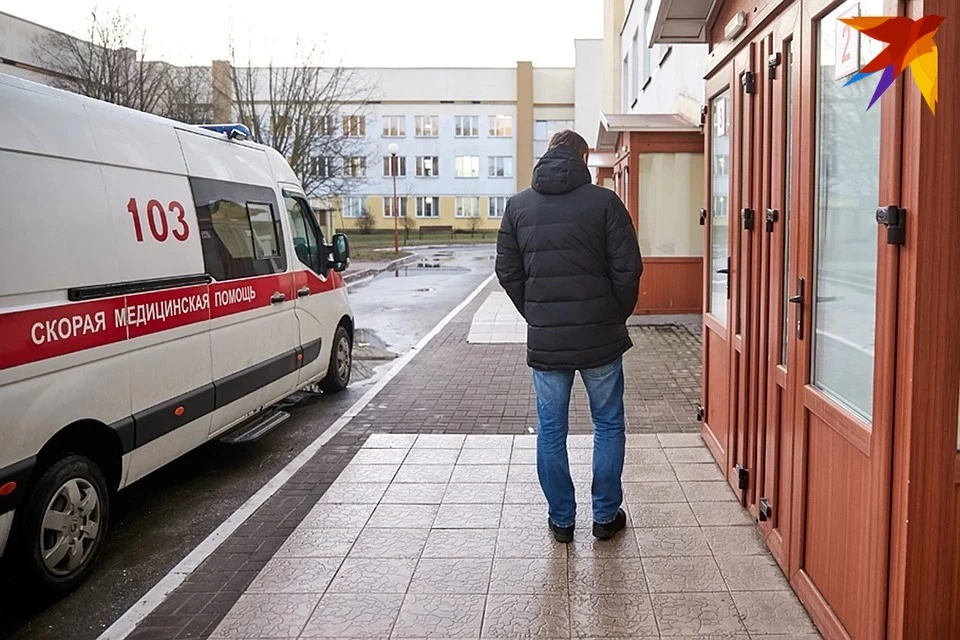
x: 39, y: 334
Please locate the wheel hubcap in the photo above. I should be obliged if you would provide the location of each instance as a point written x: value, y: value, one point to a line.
x: 70, y: 528
x: 343, y: 358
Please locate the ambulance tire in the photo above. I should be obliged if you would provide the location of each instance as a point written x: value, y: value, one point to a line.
x: 73, y: 499
x: 341, y: 363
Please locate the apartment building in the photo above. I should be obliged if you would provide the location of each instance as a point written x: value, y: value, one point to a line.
x: 467, y: 139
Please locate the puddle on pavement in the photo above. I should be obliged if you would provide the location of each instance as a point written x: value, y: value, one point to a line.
x: 411, y: 270
x: 367, y: 345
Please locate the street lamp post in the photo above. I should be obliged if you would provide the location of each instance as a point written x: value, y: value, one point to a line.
x: 393, y: 148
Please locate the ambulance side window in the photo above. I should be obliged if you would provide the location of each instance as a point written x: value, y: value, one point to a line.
x: 307, y: 237
x: 239, y: 229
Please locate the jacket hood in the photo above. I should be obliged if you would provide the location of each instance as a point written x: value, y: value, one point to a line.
x: 560, y: 170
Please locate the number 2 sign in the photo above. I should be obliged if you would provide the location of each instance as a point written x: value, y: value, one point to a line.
x: 848, y: 46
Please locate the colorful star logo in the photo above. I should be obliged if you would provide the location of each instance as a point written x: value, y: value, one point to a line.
x: 910, y: 44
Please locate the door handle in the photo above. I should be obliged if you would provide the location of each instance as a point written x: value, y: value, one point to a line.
x: 726, y: 271
x: 303, y: 292
x: 277, y: 298
x: 798, y: 300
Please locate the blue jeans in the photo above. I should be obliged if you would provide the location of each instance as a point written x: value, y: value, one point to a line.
x: 605, y: 391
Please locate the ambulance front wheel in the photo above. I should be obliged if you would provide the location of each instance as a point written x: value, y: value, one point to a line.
x: 341, y: 362
x: 64, y: 522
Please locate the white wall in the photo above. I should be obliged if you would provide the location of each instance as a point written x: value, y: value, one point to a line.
x: 675, y: 85
x: 588, y: 88
x: 553, y: 85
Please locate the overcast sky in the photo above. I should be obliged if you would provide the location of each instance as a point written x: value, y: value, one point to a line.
x: 442, y: 33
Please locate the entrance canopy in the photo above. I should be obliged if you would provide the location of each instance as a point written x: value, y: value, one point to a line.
x: 682, y: 21
x: 613, y: 125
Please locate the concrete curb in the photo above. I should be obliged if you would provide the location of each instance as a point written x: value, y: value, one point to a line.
x: 352, y: 278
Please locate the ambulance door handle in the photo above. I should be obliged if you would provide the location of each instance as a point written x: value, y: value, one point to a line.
x: 277, y: 298
x: 303, y: 292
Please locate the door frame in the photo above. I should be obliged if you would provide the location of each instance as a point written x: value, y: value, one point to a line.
x: 874, y: 441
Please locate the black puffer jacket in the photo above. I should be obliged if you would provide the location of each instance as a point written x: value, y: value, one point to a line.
x: 568, y: 257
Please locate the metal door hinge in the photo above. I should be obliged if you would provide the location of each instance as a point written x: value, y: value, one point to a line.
x: 894, y: 219
x: 749, y: 82
x: 703, y: 114
x: 773, y: 61
x: 765, y: 510
x: 703, y: 216
x: 700, y: 413
x: 772, y: 216
x: 747, y: 215
x: 743, y: 477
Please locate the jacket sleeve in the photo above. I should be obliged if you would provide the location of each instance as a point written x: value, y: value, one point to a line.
x: 509, y: 266
x: 624, y: 263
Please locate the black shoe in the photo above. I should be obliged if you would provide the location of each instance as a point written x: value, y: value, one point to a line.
x: 607, y: 531
x: 561, y: 534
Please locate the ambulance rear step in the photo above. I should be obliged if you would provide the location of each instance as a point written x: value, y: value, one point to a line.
x: 256, y: 427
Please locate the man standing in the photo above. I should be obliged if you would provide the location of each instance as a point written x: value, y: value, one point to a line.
x: 568, y: 257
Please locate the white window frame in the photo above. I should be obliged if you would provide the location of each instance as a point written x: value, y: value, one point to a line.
x: 421, y: 166
x: 325, y: 125
x: 434, y: 206
x: 494, y: 211
x: 352, y: 207
x: 427, y: 126
x: 394, y: 126
x: 388, y: 206
x: 461, y: 130
x: 461, y: 208
x: 500, y: 126
x: 467, y: 166
x: 625, y: 87
x: 500, y: 167
x: 401, y: 166
x: 354, y: 126
x: 354, y: 169
x: 323, y: 166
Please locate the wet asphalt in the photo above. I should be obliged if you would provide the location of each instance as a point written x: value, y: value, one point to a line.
x: 159, y: 520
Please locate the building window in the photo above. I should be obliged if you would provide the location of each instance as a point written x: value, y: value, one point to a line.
x: 635, y: 54
x: 324, y: 125
x: 428, y: 167
x: 388, y: 206
x: 501, y: 167
x: 428, y: 126
x: 543, y: 130
x: 394, y: 126
x: 354, y: 166
x: 428, y: 207
x: 401, y: 166
x: 501, y: 126
x: 498, y: 204
x: 468, y: 166
x: 647, y: 52
x: 625, y: 86
x: 353, y: 207
x: 468, y: 207
x: 322, y: 166
x: 354, y: 126
x: 468, y: 126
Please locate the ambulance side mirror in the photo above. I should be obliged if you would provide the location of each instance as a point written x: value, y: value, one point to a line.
x: 341, y: 252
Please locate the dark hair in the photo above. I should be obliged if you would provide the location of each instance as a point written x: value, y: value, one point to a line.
x: 572, y: 139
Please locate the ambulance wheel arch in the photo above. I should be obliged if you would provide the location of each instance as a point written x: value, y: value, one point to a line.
x: 60, y: 526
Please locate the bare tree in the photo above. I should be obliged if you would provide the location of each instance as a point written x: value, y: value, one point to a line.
x: 105, y: 66
x: 316, y: 117
x: 189, y: 95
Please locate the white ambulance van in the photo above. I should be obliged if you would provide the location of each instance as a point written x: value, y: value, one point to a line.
x: 160, y: 285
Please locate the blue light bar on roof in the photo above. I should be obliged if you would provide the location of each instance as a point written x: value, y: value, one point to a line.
x: 233, y: 131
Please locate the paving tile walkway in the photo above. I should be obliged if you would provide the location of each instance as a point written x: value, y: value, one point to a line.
x: 422, y: 518
x: 443, y: 536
